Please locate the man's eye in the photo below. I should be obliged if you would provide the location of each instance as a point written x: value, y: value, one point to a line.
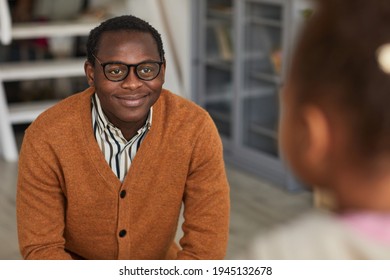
x: 146, y: 70
x: 116, y: 71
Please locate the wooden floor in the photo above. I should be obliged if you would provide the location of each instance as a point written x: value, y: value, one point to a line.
x: 255, y: 206
x: 8, y: 238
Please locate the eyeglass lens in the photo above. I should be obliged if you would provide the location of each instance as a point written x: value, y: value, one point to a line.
x: 145, y: 71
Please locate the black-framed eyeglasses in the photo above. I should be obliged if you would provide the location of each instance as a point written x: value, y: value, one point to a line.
x: 117, y: 71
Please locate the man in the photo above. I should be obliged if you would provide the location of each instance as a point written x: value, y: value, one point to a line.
x: 103, y: 174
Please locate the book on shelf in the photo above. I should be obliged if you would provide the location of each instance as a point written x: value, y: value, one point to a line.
x: 224, y: 10
x: 224, y: 42
x: 276, y: 60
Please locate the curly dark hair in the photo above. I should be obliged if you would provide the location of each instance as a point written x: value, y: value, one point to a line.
x: 336, y: 62
x: 127, y: 23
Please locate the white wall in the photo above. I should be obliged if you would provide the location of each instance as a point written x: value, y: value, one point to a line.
x: 178, y: 17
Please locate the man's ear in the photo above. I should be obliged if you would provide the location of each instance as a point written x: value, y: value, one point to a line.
x: 89, y: 73
x: 318, y: 141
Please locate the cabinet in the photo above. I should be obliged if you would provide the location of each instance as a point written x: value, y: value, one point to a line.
x: 241, y: 55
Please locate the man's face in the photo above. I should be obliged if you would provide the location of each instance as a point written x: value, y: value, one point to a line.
x: 126, y: 102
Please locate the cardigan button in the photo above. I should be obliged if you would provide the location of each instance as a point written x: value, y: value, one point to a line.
x: 122, y: 194
x: 122, y: 233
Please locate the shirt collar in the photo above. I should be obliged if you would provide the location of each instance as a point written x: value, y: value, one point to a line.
x: 103, y: 123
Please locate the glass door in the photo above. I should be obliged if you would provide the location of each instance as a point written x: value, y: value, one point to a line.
x: 218, y: 64
x: 260, y: 75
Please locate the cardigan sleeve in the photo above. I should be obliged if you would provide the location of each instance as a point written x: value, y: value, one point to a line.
x: 206, y: 199
x: 40, y: 202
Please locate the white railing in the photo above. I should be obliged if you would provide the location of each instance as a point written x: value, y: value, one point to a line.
x: 5, y: 23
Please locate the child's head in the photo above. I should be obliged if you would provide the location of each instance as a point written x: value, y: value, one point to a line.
x: 336, y: 104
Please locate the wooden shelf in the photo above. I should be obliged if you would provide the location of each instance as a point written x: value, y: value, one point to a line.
x: 263, y: 130
x: 221, y: 12
x: 17, y: 71
x: 265, y: 22
x: 219, y: 63
x: 52, y: 29
x: 267, y: 77
x: 258, y: 92
x: 255, y: 55
x: 26, y: 112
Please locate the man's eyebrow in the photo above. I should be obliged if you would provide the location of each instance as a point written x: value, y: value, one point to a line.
x: 122, y: 62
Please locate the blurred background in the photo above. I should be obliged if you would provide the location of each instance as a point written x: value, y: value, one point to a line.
x: 229, y: 56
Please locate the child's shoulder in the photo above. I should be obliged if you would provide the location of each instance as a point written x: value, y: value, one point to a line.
x: 315, y: 235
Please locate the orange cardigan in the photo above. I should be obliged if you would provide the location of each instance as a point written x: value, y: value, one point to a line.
x: 71, y: 205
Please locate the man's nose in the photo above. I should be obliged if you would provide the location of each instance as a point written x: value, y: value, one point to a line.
x: 132, y: 81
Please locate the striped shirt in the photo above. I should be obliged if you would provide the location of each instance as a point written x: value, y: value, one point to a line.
x: 118, y: 152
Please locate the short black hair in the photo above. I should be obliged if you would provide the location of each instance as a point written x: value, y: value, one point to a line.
x: 336, y: 63
x: 120, y: 23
